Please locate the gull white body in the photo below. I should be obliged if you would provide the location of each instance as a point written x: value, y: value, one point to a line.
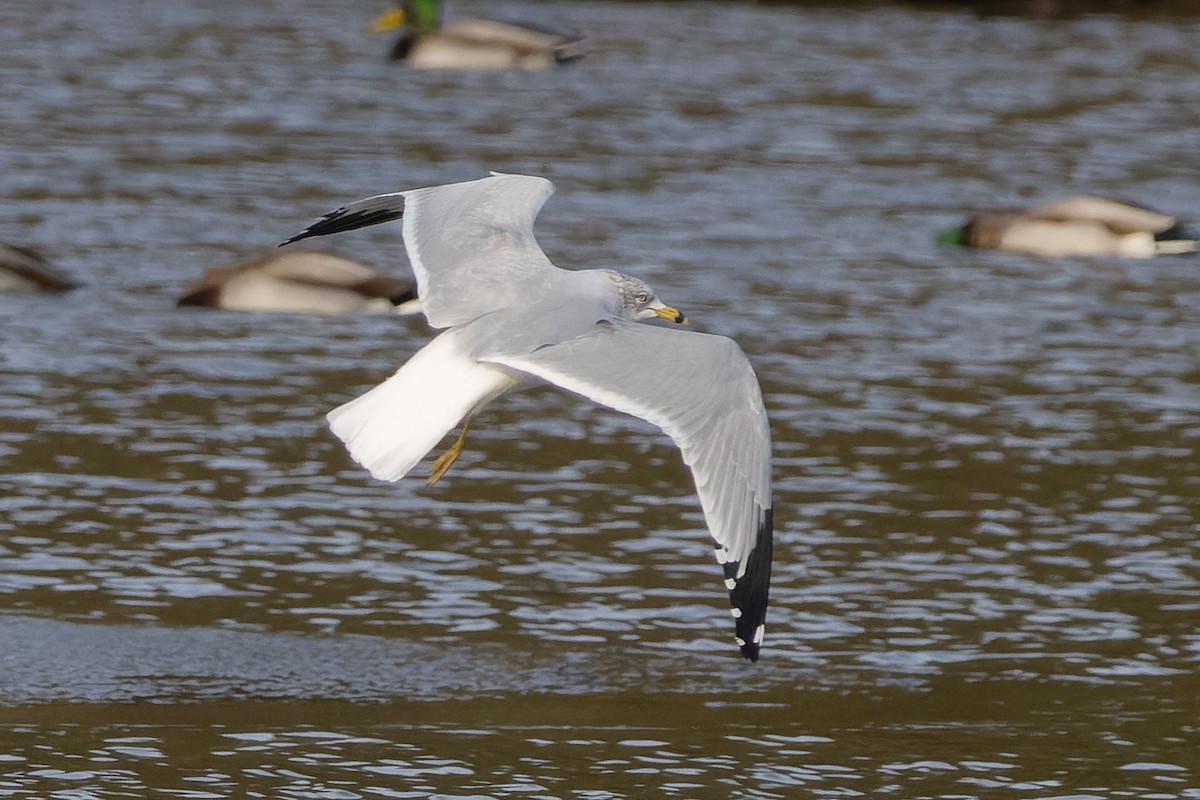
x: 392, y: 427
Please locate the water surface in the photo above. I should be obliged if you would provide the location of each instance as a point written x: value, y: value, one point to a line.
x: 987, y: 561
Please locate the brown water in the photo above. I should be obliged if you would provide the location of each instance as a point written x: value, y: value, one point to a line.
x: 987, y: 578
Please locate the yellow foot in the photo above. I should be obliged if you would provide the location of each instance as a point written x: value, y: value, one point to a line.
x: 447, y: 458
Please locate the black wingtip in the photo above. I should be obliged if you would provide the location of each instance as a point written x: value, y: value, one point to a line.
x: 304, y: 234
x: 749, y: 595
x: 348, y: 218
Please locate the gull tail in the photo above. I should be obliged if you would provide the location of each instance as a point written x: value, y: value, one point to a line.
x: 389, y: 429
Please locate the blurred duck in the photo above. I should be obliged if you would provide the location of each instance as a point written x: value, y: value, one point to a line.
x: 301, y: 281
x: 1077, y: 226
x: 25, y: 270
x: 473, y: 44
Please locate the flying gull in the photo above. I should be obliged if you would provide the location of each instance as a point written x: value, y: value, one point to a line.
x: 511, y: 319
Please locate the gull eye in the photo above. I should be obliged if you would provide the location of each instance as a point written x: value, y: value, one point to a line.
x: 642, y: 297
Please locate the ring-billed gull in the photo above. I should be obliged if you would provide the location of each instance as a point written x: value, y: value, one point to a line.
x: 512, y: 319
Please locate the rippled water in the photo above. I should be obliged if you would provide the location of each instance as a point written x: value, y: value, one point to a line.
x: 987, y: 578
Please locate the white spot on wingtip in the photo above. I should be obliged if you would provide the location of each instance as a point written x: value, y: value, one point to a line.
x: 722, y: 554
x: 730, y: 583
x: 740, y: 641
x: 758, y: 634
x: 737, y: 613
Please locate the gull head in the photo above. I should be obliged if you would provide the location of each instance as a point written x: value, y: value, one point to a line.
x: 636, y: 301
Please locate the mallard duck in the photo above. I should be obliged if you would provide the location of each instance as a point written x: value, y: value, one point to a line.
x: 301, y: 281
x: 473, y: 44
x: 25, y: 270
x: 1077, y: 226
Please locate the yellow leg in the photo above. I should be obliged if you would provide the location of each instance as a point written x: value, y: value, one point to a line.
x: 447, y: 458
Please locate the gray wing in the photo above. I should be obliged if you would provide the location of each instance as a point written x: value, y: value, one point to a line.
x: 471, y: 244
x: 703, y: 393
